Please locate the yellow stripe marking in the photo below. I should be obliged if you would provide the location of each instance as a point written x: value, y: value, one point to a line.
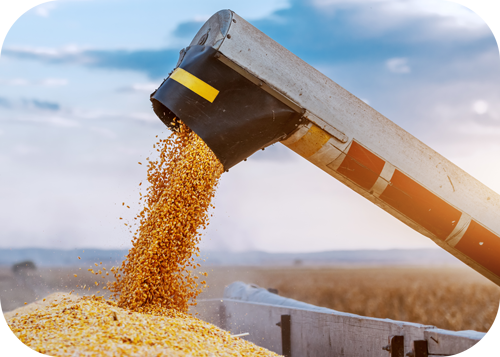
x: 195, y: 84
x: 311, y: 142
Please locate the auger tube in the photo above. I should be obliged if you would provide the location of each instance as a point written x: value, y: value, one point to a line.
x: 240, y: 91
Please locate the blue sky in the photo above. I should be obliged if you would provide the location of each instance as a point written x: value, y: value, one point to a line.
x: 75, y: 116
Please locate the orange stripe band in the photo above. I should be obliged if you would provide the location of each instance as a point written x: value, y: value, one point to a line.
x: 361, y: 166
x: 421, y: 205
x: 481, y: 245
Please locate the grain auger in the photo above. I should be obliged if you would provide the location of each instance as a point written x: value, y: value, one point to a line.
x: 240, y: 91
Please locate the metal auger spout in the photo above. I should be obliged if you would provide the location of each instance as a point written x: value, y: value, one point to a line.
x: 230, y: 112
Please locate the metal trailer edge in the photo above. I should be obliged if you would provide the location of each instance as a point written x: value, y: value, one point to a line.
x: 294, y: 328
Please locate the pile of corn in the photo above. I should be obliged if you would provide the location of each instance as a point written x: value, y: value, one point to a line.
x: 158, y: 271
x: 92, y: 326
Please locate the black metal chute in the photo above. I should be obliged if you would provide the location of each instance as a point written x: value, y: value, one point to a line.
x: 241, y: 119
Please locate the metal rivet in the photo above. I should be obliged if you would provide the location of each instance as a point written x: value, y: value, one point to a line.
x: 228, y: 36
x: 234, y: 20
x: 217, y: 55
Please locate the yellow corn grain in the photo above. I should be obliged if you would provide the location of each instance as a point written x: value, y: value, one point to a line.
x: 157, y: 270
x: 91, y: 326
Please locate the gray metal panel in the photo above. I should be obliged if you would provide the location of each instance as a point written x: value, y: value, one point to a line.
x: 312, y: 333
x: 319, y: 334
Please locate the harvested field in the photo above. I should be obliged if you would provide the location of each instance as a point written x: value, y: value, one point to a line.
x: 447, y: 297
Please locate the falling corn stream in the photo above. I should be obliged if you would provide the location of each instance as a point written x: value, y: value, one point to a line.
x: 160, y: 269
x: 158, y: 280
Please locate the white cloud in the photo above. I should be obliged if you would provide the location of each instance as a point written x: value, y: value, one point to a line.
x: 398, y: 65
x: 145, y: 87
x: 72, y: 53
x: 201, y: 18
x: 140, y: 87
x: 480, y: 107
x: 39, y: 7
x: 93, y: 114
x: 479, y: 162
x: 15, y: 82
x: 148, y: 117
x: 44, y: 118
x: 62, y: 122
x: 46, y: 82
x: 103, y: 115
x: 22, y: 149
x: 103, y: 132
x: 459, y: 15
x: 484, y: 132
x: 53, y: 82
